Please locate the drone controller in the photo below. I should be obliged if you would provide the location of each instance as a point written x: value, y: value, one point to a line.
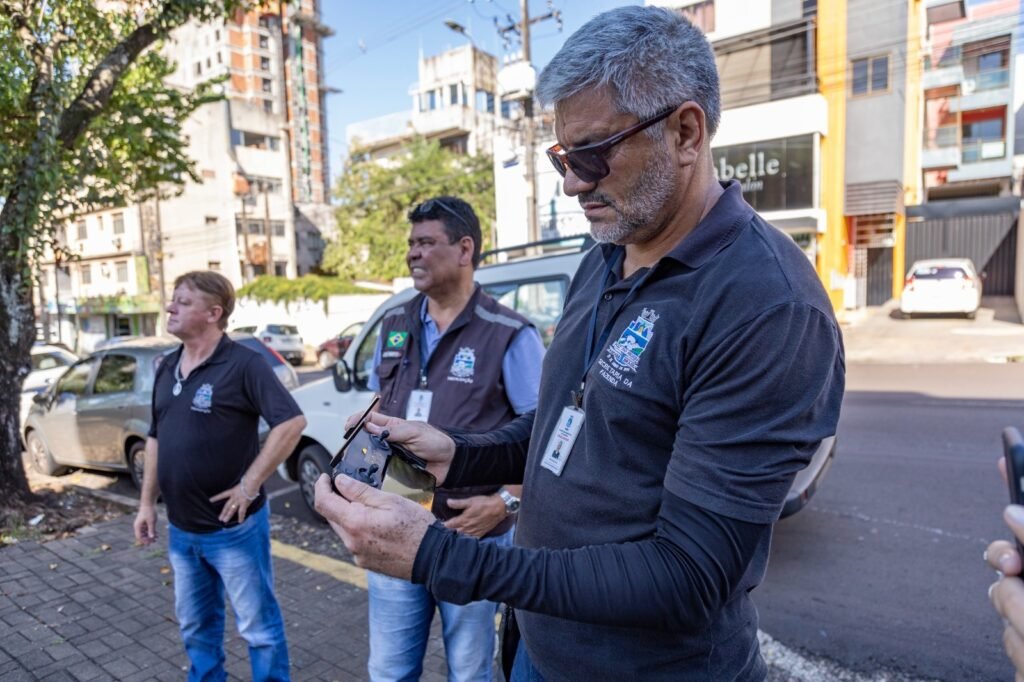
x: 369, y: 458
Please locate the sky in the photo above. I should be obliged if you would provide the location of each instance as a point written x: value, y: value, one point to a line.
x: 374, y: 52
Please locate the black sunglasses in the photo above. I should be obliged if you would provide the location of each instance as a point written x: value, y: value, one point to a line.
x: 419, y: 213
x: 588, y: 162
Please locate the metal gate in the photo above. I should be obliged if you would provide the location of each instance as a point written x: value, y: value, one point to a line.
x: 984, y: 230
x: 879, y: 276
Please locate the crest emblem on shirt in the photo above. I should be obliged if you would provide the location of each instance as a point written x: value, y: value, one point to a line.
x: 397, y: 339
x: 463, y: 365
x: 626, y: 351
x: 203, y: 399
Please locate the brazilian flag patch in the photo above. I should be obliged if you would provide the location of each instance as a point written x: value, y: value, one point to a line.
x: 397, y: 339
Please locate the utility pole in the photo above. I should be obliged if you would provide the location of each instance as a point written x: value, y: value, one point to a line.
x: 529, y: 133
x: 159, y: 239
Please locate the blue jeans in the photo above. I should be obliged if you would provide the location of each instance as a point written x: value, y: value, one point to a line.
x: 522, y: 667
x: 237, y: 561
x: 400, y: 616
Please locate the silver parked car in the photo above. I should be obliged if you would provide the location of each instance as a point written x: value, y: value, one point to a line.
x: 97, y: 415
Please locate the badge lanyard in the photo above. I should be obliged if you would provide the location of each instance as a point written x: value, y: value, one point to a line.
x: 570, y: 423
x: 593, y: 350
x: 420, y: 399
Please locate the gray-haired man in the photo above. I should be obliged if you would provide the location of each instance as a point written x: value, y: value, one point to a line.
x: 695, y: 369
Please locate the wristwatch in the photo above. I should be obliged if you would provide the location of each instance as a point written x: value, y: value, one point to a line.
x: 511, y: 501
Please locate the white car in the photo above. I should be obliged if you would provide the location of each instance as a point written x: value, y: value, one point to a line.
x: 285, y: 339
x: 941, y: 285
x: 49, y: 362
x: 533, y: 287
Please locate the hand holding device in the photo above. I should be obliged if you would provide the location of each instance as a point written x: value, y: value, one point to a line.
x: 1013, y: 453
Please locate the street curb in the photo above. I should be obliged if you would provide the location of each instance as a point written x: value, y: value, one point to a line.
x: 116, y: 498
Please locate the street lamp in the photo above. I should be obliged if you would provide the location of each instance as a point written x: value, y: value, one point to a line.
x: 460, y: 29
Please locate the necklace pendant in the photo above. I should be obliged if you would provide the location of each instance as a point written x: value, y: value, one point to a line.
x: 177, y: 388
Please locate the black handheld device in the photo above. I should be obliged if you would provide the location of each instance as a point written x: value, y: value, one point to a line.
x: 1013, y: 453
x: 369, y: 458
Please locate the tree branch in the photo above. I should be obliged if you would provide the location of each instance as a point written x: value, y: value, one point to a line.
x: 104, y: 78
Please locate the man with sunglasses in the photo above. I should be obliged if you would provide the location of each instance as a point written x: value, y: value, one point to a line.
x: 456, y: 358
x: 695, y: 369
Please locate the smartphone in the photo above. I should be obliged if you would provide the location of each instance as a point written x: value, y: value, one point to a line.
x: 353, y: 431
x: 1013, y: 453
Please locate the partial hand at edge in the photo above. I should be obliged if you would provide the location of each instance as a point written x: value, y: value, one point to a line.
x: 382, y: 530
x: 145, y: 526
x: 1007, y: 593
x: 480, y: 514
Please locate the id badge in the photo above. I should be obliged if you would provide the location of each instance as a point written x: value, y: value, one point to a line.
x: 419, y: 406
x: 562, y: 439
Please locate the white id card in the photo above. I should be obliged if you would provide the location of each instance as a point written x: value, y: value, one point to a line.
x: 419, y: 406
x: 562, y: 439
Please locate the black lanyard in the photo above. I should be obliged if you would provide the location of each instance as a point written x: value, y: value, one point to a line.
x: 593, y: 350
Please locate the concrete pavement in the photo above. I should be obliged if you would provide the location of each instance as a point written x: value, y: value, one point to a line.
x: 96, y: 607
x: 880, y: 335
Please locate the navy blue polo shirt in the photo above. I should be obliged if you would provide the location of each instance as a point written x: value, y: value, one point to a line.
x: 716, y: 373
x: 208, y: 434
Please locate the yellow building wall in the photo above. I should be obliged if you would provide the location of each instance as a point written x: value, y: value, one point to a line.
x: 913, y: 123
x: 833, y: 260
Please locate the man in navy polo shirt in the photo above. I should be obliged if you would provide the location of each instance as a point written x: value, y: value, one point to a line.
x: 203, y: 455
x: 695, y: 369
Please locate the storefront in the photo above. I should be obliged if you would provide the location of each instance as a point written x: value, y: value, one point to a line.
x: 779, y: 178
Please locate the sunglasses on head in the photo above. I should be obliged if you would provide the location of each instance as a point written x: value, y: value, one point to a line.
x: 588, y: 163
x: 428, y: 206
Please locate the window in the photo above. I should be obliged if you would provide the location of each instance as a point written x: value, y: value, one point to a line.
x: 364, y: 358
x: 52, y: 359
x: 280, y: 269
x: 869, y: 75
x: 216, y: 35
x: 122, y: 326
x: 75, y: 380
x: 86, y: 273
x: 267, y: 85
x: 83, y: 232
x: 264, y: 43
x: 220, y: 59
x: 268, y: 106
x: 210, y: 220
x: 122, y: 270
x: 255, y: 227
x: 213, y: 265
x: 264, y: 63
x: 118, y: 220
x: 115, y: 375
x: 453, y: 94
x: 429, y: 101
x: 208, y: 63
x: 199, y: 68
x: 541, y: 302
x: 277, y: 226
x: 264, y: 21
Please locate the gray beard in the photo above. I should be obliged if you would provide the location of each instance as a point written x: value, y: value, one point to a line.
x: 636, y: 216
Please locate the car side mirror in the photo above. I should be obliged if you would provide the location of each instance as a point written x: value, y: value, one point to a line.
x: 342, y: 376
x: 41, y: 398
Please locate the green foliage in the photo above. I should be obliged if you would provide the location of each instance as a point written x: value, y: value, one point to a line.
x: 309, y: 287
x: 375, y: 199
x: 130, y: 145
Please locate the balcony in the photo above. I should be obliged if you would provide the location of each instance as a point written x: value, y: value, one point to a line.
x: 979, y: 150
x: 769, y: 65
x: 940, y: 148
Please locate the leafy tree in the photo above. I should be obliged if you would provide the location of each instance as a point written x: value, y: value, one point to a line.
x: 308, y: 287
x: 86, y: 121
x: 375, y: 199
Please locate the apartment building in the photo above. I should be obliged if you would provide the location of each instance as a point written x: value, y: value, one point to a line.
x: 261, y: 152
x: 454, y: 101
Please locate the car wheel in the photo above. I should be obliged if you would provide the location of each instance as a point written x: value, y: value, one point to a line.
x: 40, y: 456
x: 325, y: 359
x: 313, y: 461
x: 137, y: 462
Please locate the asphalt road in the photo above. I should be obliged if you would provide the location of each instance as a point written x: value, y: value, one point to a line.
x: 883, y: 570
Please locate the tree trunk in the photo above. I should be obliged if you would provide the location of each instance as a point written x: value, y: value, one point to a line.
x: 17, y: 331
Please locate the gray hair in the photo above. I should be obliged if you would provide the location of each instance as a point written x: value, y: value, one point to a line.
x: 652, y: 58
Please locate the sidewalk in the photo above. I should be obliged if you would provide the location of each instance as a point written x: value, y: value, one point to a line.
x: 95, y: 607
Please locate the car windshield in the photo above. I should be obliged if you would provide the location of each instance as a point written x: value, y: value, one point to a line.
x: 50, y: 358
x: 257, y: 345
x: 939, y: 272
x: 282, y: 329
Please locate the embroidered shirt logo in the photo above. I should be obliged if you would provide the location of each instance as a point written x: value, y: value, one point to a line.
x: 463, y: 366
x: 397, y: 339
x: 203, y: 399
x: 626, y: 351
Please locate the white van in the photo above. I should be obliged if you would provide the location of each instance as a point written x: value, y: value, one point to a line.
x: 532, y: 286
